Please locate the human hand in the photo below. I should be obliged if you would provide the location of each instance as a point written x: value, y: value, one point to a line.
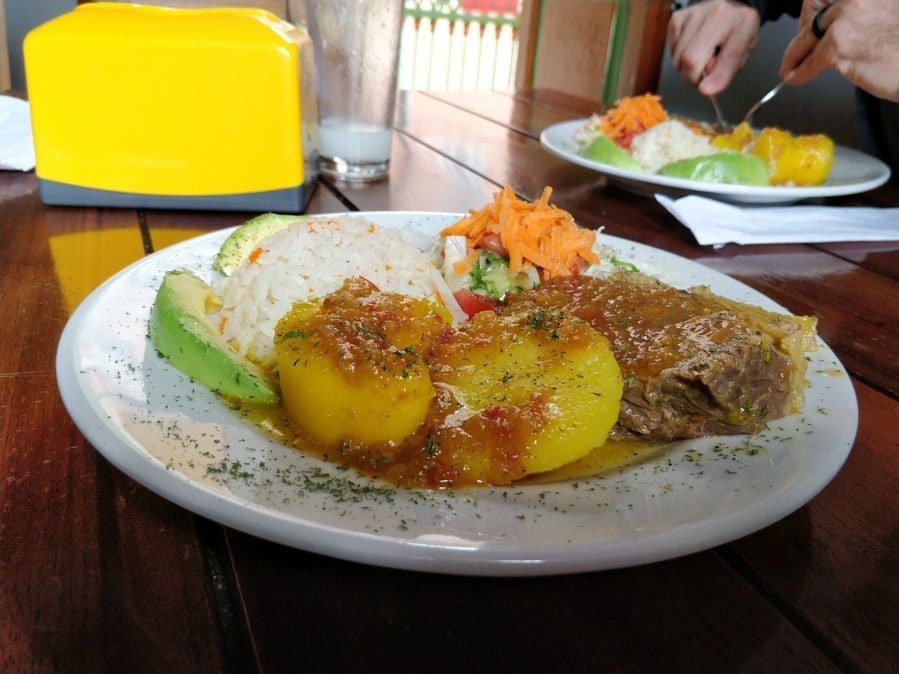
x: 861, y: 42
x: 711, y: 40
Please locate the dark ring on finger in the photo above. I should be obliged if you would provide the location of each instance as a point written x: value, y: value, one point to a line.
x: 817, y: 29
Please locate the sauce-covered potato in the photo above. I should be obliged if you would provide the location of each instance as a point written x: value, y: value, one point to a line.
x: 521, y: 392
x: 351, y: 369
x: 379, y: 381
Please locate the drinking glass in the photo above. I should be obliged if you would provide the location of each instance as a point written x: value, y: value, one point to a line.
x: 356, y: 52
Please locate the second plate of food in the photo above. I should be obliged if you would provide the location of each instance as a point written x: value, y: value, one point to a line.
x: 852, y: 172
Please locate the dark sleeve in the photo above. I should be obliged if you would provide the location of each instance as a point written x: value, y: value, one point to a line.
x: 769, y: 10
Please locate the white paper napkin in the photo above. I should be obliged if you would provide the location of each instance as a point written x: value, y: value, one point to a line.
x: 16, y: 146
x: 716, y: 223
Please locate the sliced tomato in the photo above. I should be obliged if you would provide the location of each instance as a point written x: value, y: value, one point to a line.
x: 578, y: 266
x: 628, y: 138
x: 625, y: 140
x: 473, y: 303
x: 494, y: 243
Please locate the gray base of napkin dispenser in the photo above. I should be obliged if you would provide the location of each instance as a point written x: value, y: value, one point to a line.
x: 291, y: 200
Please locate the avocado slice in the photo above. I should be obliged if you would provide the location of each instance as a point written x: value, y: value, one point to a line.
x: 722, y: 167
x: 243, y: 240
x: 181, y: 331
x: 604, y: 150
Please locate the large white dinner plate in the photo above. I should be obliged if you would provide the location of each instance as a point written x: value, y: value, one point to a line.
x: 852, y: 172
x: 181, y: 441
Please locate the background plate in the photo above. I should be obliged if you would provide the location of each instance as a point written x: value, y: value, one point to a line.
x: 852, y: 172
x: 182, y: 442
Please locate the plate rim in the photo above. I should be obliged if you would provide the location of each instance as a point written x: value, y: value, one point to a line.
x: 521, y: 559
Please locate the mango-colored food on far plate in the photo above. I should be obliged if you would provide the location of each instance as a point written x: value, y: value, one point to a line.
x: 794, y: 160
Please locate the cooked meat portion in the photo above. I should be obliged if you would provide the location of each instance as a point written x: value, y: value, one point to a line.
x: 694, y: 364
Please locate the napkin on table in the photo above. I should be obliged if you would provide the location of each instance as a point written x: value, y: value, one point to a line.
x: 716, y: 223
x: 16, y: 146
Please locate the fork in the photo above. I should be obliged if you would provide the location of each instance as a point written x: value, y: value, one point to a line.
x: 720, y: 126
x: 764, y: 99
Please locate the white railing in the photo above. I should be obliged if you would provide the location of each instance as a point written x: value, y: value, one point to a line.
x: 453, y: 45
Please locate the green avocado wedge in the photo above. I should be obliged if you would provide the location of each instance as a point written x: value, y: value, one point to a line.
x: 243, y: 240
x: 603, y: 149
x: 732, y: 168
x: 181, y: 331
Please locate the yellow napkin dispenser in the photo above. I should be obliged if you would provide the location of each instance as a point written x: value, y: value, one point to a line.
x: 150, y: 107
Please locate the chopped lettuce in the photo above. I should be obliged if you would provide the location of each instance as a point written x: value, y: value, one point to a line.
x: 489, y: 274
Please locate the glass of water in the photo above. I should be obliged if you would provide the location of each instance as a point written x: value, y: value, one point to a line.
x: 356, y: 52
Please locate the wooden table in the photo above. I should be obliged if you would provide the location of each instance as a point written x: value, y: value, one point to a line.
x: 99, y: 574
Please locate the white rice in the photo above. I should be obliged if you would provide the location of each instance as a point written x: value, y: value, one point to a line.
x: 590, y: 130
x: 309, y: 260
x: 666, y: 142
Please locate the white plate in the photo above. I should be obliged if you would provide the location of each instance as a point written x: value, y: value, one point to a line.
x: 852, y: 172
x: 182, y: 442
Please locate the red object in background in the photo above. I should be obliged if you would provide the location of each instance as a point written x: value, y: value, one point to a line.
x: 490, y: 6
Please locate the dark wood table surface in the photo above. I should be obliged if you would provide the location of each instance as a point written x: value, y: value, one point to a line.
x: 98, y: 574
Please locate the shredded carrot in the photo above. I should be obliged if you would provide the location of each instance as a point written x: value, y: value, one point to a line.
x: 535, y: 233
x: 632, y: 115
x: 255, y: 254
x: 222, y: 324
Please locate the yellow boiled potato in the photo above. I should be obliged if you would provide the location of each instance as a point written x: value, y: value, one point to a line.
x: 351, y: 370
x: 535, y: 389
x: 322, y: 400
